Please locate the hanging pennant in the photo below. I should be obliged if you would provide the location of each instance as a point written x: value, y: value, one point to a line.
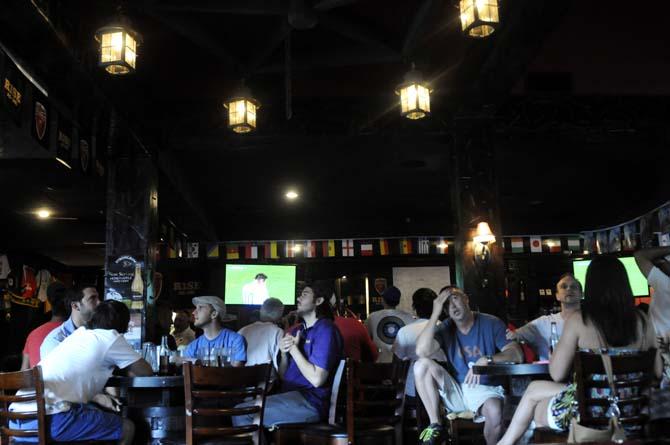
x: 629, y: 242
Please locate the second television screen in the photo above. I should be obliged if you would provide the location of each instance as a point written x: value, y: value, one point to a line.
x: 254, y: 283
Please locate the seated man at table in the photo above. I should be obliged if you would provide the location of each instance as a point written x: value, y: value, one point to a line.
x: 310, y: 354
x: 75, y: 375
x: 210, y: 314
x: 263, y: 336
x: 82, y: 301
x: 468, y: 339
x: 57, y: 298
x: 405, y: 342
x: 538, y: 332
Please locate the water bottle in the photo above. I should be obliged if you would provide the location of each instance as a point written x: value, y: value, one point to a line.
x: 164, y: 357
x: 553, y: 337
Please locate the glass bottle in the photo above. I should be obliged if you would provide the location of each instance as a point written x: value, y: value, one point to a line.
x: 164, y: 357
x: 137, y: 286
x: 553, y: 337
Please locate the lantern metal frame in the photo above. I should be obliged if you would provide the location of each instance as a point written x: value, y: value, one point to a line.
x: 414, y: 77
x: 245, y: 125
x: 479, y: 27
x: 120, y: 65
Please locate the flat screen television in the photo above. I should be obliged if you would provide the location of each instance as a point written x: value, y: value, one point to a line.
x: 254, y: 283
x: 638, y: 282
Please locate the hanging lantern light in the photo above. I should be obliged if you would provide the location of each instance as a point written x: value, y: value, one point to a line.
x: 414, y: 96
x: 118, y: 44
x: 479, y: 18
x: 242, y: 109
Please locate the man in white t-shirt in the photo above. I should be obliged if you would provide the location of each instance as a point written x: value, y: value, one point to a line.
x: 75, y: 375
x: 263, y: 336
x: 383, y: 325
x: 654, y: 263
x: 255, y: 292
x: 537, y: 333
x: 405, y: 342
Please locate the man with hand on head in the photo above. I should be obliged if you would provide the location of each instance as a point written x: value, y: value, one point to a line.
x: 468, y: 339
x: 82, y: 301
x: 209, y: 315
x: 310, y: 354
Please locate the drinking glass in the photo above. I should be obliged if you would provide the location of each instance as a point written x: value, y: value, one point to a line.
x: 150, y: 354
x: 226, y: 356
x: 203, y: 355
x: 214, y: 357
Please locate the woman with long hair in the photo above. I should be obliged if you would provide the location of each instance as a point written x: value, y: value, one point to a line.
x: 608, y: 312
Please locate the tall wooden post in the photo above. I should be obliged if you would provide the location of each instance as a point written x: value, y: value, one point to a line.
x: 131, y: 228
x: 474, y: 197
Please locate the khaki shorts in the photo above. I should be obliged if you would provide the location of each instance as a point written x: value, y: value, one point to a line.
x: 458, y: 397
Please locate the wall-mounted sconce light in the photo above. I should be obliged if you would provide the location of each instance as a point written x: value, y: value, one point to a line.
x: 481, y: 241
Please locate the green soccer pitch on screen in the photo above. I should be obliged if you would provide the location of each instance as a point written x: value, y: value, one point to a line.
x: 254, y: 283
x: 638, y: 282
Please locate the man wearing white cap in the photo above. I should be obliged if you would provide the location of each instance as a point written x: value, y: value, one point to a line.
x: 209, y: 315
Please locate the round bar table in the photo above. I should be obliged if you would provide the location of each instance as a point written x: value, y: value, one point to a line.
x: 512, y: 370
x: 156, y: 405
x: 518, y: 376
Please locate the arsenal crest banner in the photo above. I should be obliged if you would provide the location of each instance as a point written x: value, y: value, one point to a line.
x: 85, y: 148
x: 40, y: 119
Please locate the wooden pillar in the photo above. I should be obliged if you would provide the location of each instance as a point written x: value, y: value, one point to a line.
x: 131, y: 228
x: 474, y: 197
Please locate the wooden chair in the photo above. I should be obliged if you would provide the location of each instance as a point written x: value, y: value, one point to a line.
x: 633, y: 374
x: 210, y: 396
x: 290, y: 433
x: 10, y: 382
x: 375, y: 406
x: 623, y: 366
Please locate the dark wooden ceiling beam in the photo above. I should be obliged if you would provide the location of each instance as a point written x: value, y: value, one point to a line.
x: 325, y: 5
x: 243, y: 7
x: 354, y: 32
x: 417, y: 27
x: 275, y: 40
x: 337, y: 59
x: 192, y: 31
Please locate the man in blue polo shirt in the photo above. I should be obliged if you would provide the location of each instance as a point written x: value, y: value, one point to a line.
x: 83, y: 301
x: 209, y: 315
x: 310, y: 354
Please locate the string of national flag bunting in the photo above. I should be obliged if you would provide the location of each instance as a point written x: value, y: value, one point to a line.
x: 650, y: 229
x: 369, y: 247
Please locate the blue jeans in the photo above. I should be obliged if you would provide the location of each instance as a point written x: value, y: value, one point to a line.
x: 287, y: 407
x: 80, y: 422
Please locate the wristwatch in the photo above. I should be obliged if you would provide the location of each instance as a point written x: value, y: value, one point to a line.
x: 489, y: 359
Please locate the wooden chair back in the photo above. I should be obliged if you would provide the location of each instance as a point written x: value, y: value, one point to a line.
x: 375, y: 395
x: 633, y: 375
x: 210, y: 396
x: 10, y: 382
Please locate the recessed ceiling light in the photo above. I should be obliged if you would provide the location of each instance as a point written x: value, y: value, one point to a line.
x: 291, y: 194
x: 43, y: 213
